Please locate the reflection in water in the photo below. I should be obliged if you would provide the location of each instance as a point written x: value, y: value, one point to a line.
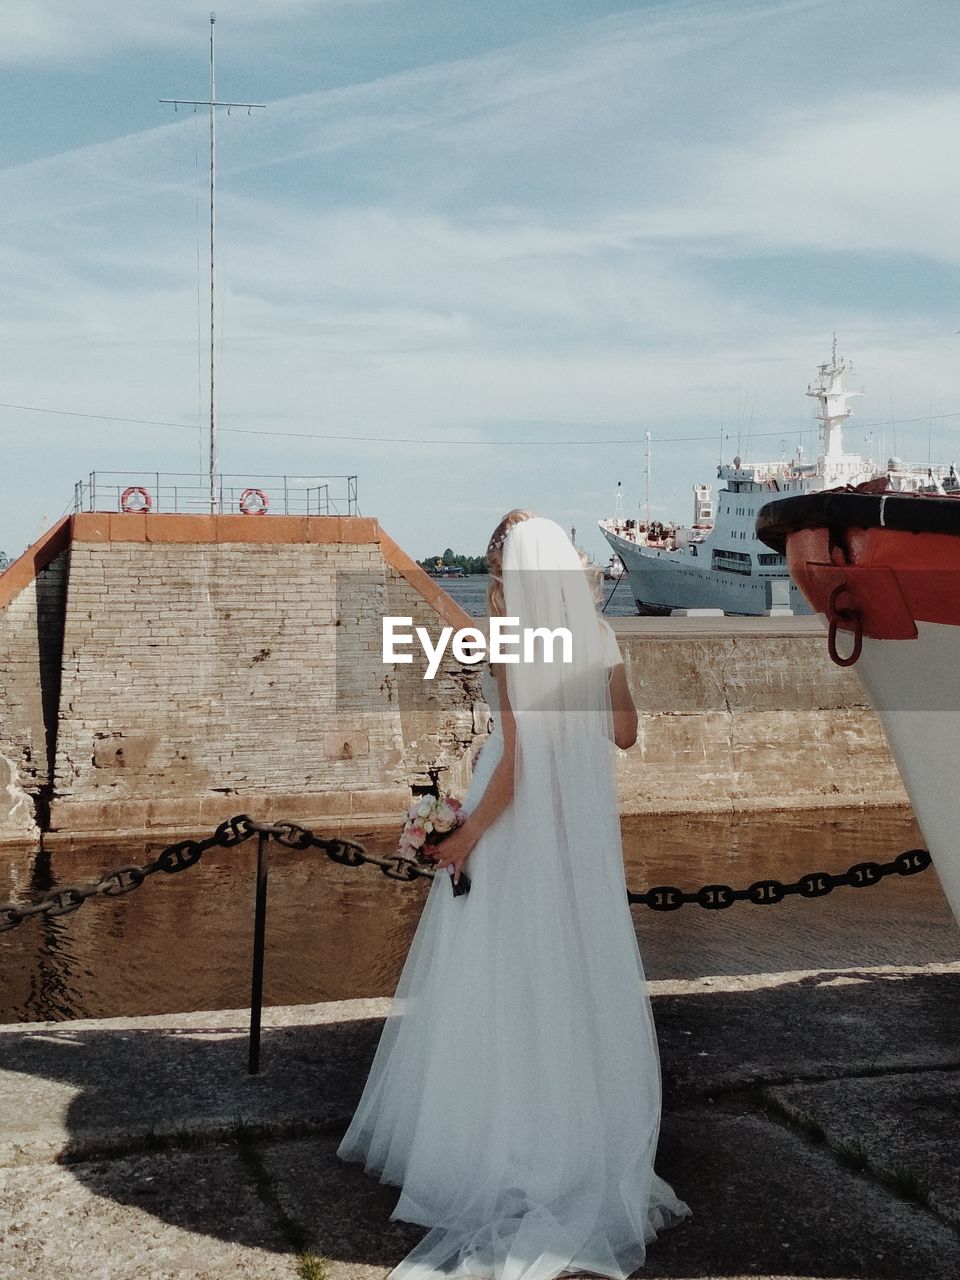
x: 50, y: 996
x: 183, y: 942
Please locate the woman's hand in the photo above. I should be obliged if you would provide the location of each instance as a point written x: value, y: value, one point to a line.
x: 456, y: 849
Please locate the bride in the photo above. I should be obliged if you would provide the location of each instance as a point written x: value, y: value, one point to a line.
x: 515, y: 1095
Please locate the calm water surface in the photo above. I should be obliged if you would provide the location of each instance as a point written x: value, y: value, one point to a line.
x: 471, y: 593
x: 183, y: 942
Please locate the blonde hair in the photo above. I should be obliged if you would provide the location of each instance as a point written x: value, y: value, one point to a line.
x: 495, y: 601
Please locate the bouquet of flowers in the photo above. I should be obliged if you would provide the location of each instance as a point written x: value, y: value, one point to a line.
x: 430, y: 818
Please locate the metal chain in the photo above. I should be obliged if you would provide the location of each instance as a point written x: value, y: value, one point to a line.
x: 348, y: 853
x: 763, y: 893
x: 187, y: 853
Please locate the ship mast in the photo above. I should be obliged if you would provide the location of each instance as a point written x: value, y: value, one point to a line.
x: 212, y: 103
x: 833, y: 411
x: 646, y: 436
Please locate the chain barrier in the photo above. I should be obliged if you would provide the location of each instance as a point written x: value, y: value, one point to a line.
x: 764, y: 893
x: 187, y: 853
x: 348, y: 853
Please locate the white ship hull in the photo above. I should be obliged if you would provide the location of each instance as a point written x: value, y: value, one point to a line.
x: 884, y: 570
x: 662, y: 580
x: 912, y: 685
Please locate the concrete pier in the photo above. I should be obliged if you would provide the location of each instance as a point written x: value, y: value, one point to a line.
x: 811, y: 1102
x: 161, y: 673
x: 809, y: 1121
x: 747, y: 714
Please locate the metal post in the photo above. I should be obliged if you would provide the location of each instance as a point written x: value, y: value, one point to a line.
x: 213, y: 207
x: 286, y: 499
x: 259, y: 931
x: 646, y: 436
x: 213, y: 104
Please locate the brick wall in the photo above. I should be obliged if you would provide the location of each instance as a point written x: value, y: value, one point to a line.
x: 215, y: 665
x: 749, y: 721
x: 32, y: 593
x: 202, y: 677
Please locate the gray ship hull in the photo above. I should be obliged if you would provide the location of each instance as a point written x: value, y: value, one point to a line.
x: 662, y: 580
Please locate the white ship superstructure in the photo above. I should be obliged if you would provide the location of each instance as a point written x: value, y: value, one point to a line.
x: 717, y: 562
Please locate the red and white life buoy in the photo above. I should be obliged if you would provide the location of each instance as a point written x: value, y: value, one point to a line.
x: 254, y: 502
x: 128, y: 505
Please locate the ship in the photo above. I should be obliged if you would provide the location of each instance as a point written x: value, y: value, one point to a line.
x: 882, y: 565
x: 717, y: 562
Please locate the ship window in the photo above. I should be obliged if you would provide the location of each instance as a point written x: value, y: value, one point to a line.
x: 732, y: 561
x: 770, y: 557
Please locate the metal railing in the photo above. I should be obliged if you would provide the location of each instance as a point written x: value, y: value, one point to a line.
x: 183, y: 493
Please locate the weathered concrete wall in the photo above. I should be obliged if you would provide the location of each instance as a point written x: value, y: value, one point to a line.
x: 748, y: 721
x: 212, y: 666
x: 31, y: 640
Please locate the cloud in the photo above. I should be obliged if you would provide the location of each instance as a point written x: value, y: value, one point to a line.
x: 576, y: 237
x: 533, y: 102
x: 861, y: 172
x: 37, y: 32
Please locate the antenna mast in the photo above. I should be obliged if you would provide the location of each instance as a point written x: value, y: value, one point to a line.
x: 212, y: 103
x: 646, y: 436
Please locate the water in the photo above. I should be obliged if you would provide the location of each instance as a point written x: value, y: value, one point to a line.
x: 471, y: 594
x: 182, y: 942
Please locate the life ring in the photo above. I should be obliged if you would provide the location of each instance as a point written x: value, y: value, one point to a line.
x: 145, y: 503
x: 249, y: 498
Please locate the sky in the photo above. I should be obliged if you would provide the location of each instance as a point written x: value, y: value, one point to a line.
x: 472, y: 253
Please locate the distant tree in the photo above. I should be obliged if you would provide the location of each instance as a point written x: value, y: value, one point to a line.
x: 451, y: 560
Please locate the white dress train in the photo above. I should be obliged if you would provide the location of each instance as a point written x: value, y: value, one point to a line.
x: 515, y: 1094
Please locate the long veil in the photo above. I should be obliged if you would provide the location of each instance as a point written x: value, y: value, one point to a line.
x: 555, y: 1126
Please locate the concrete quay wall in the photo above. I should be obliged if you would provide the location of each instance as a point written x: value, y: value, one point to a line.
x: 213, y: 665
x: 747, y: 715
x: 162, y: 673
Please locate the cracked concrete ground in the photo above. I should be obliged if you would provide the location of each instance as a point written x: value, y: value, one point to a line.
x: 810, y: 1121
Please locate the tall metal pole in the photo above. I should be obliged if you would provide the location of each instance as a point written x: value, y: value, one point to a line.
x: 646, y: 436
x: 213, y: 309
x: 212, y: 103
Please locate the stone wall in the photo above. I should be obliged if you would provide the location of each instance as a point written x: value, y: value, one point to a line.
x: 217, y: 665
x: 174, y: 671
x: 748, y: 720
x: 31, y: 639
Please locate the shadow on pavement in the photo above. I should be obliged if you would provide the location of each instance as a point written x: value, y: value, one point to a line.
x: 159, y: 1114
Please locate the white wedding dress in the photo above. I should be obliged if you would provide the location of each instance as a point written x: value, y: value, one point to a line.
x: 515, y: 1095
